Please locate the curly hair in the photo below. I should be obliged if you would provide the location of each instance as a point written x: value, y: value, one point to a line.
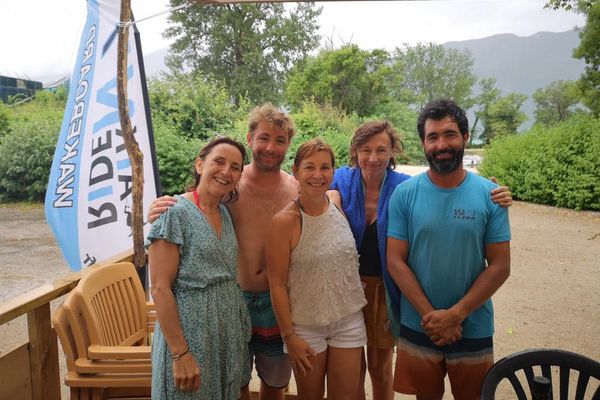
x: 273, y: 116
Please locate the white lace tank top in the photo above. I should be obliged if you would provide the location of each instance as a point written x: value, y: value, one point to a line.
x: 323, y: 281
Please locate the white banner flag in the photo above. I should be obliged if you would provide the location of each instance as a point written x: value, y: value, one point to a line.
x: 89, y: 196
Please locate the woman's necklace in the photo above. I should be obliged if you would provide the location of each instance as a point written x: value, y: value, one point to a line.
x: 205, y: 212
x: 312, y: 214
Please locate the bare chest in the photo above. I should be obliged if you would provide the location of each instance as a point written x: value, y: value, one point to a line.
x: 254, y: 210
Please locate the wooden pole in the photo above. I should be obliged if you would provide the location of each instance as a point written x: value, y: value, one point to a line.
x: 43, y: 355
x: 136, y: 157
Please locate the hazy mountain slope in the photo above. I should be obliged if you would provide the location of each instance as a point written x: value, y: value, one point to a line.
x: 524, y: 64
x: 519, y: 64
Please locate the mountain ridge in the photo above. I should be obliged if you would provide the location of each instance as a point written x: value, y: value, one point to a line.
x: 523, y: 64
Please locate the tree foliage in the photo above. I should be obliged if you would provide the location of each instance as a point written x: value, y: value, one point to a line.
x: 4, y: 121
x: 488, y: 95
x: 558, y: 166
x: 556, y: 102
x: 429, y: 71
x: 575, y: 5
x: 247, y: 47
x: 348, y: 78
x: 327, y: 122
x: 588, y: 49
x: 505, y: 116
x: 27, y: 149
x: 194, y: 106
x: 175, y: 155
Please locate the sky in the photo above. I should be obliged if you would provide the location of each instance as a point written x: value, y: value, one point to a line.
x: 39, y: 38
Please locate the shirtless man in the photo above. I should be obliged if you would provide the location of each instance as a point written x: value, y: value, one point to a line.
x: 264, y: 190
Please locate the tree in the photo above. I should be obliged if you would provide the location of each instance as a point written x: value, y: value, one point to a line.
x: 505, y: 116
x: 249, y: 48
x: 489, y: 95
x: 192, y: 105
x: 556, y: 102
x: 348, y: 78
x: 576, y: 5
x: 588, y: 49
x: 429, y: 71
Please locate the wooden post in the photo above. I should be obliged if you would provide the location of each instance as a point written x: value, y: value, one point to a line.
x: 43, y: 355
x: 136, y: 157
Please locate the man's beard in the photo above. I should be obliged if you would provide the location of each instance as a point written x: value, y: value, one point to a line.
x: 266, y: 167
x: 446, y: 166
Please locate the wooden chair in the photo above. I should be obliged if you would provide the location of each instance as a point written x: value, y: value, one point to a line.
x: 88, y: 386
x: 104, y: 329
x: 525, y: 361
x: 109, y: 303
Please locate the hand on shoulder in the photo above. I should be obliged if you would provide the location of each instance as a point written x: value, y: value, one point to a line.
x: 159, y: 206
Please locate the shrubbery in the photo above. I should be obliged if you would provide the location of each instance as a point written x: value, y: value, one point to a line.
x: 25, y: 159
x: 27, y: 146
x: 558, y: 166
x: 4, y: 121
x: 175, y: 155
x: 327, y: 122
x: 193, y: 106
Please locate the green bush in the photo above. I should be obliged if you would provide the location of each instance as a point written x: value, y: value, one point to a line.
x: 175, y: 155
x: 5, y: 124
x: 327, y: 122
x: 25, y: 160
x: 27, y: 147
x: 196, y: 107
x: 558, y: 166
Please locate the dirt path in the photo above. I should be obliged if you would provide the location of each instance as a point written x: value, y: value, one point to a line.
x: 552, y: 298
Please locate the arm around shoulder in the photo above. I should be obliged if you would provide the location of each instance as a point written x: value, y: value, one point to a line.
x: 159, y: 206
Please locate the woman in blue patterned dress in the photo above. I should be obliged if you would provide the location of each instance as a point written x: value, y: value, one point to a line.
x: 200, y: 343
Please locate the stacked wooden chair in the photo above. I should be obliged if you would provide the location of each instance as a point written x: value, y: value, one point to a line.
x: 104, y: 326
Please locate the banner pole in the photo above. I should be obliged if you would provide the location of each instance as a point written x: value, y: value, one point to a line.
x: 136, y: 157
x: 143, y: 272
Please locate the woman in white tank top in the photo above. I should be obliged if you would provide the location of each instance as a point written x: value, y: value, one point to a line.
x: 312, y: 265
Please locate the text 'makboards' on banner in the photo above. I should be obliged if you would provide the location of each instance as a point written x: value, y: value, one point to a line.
x: 89, y: 195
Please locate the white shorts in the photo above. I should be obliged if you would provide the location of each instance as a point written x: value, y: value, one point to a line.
x: 348, y: 332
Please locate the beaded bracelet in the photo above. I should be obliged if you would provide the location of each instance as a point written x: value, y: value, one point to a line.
x: 176, y: 357
x: 287, y: 335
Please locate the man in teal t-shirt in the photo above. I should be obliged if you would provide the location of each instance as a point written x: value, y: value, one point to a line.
x: 448, y: 252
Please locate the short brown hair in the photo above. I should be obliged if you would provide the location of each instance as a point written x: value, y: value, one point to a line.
x: 274, y: 117
x: 369, y: 129
x: 311, y: 147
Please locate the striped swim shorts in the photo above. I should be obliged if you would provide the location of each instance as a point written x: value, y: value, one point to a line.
x: 421, y: 365
x: 266, y: 346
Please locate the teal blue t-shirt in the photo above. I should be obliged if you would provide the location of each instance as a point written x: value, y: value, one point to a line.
x: 447, y: 230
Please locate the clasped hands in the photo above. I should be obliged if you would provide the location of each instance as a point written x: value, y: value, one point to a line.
x: 442, y: 326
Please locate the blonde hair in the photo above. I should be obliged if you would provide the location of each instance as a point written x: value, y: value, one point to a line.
x: 272, y: 116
